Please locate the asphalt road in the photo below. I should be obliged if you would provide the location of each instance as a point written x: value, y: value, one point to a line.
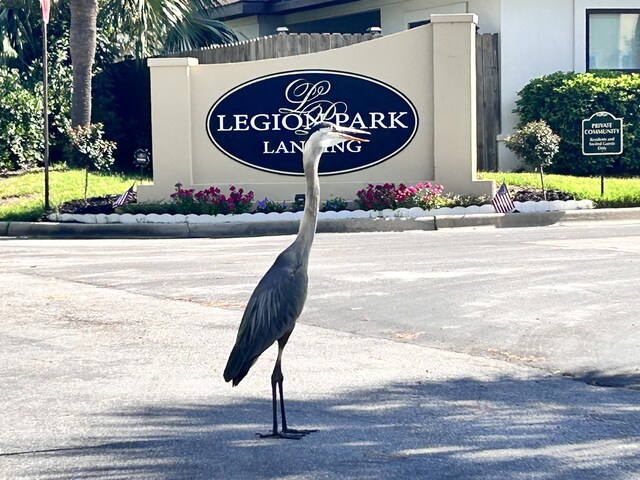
x: 439, y: 354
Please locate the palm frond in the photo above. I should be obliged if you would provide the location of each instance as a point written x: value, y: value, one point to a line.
x: 197, y: 31
x: 19, y: 35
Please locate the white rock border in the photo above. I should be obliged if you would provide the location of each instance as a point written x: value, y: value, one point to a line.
x: 415, y: 212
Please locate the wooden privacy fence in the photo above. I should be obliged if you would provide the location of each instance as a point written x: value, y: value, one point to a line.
x: 488, y: 100
x: 276, y: 46
x: 290, y: 44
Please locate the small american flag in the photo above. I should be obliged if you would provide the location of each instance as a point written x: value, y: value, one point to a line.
x: 502, y: 201
x: 126, y: 197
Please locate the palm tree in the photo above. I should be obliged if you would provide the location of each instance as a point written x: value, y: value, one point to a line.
x: 149, y: 27
x: 198, y: 29
x: 140, y: 28
x: 82, y: 41
x: 144, y: 26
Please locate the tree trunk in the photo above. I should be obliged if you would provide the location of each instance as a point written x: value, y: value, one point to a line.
x: 83, y: 50
x: 544, y: 192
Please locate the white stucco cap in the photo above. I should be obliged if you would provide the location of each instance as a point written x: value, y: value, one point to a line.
x: 454, y: 18
x: 172, y: 62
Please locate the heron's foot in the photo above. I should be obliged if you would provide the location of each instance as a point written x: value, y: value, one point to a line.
x: 288, y: 434
x: 298, y: 432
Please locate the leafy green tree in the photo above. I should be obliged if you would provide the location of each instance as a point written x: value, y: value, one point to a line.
x: 92, y: 151
x: 536, y: 144
x: 21, y: 123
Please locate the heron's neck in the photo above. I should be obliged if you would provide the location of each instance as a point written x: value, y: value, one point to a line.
x: 307, y: 228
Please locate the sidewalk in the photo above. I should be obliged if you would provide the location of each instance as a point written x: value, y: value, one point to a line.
x: 184, y: 230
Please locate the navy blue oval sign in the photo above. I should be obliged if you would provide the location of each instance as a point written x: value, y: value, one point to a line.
x: 263, y: 123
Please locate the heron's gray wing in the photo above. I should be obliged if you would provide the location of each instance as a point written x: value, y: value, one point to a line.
x: 271, y: 312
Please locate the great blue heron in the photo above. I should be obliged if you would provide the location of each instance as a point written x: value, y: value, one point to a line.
x: 278, y: 298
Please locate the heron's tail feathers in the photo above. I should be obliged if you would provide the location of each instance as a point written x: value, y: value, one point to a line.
x: 237, y: 366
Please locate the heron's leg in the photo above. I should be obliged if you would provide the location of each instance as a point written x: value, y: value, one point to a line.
x: 286, y: 429
x: 275, y: 404
x: 276, y: 381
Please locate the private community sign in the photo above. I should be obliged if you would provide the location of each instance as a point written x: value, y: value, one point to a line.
x: 602, y: 135
x: 263, y: 123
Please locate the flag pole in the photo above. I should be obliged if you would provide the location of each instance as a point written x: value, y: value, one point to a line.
x: 45, y: 112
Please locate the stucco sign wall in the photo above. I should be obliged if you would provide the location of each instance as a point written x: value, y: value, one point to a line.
x: 245, y: 123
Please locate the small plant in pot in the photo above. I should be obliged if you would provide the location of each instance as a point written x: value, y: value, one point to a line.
x: 536, y: 145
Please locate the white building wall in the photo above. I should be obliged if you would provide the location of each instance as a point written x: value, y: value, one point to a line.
x: 396, y: 17
x: 488, y: 12
x: 246, y: 27
x: 536, y: 38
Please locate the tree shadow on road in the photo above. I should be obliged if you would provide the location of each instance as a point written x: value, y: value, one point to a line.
x: 608, y: 379
x: 507, y: 428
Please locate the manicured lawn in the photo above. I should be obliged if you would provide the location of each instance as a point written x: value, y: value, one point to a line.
x: 618, y: 192
x: 22, y: 196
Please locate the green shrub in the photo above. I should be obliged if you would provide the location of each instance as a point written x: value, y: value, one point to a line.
x: 564, y: 99
x: 60, y: 86
x: 270, y: 206
x: 92, y: 151
x: 21, y: 125
x: 535, y: 143
x: 335, y: 204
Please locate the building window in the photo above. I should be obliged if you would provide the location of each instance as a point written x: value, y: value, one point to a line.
x: 613, y: 40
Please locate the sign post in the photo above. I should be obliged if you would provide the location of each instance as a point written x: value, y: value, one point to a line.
x: 602, y: 135
x: 46, y: 7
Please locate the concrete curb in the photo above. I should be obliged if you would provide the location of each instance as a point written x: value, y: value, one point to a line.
x: 354, y: 225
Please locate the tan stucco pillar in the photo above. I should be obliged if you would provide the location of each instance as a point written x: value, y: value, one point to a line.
x: 454, y: 104
x: 171, y: 120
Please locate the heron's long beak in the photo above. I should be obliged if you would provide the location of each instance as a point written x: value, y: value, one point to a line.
x: 350, y: 134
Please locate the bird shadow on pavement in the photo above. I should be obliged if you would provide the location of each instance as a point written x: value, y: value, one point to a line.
x: 515, y: 428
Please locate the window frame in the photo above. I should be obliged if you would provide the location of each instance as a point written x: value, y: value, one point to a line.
x: 596, y: 11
